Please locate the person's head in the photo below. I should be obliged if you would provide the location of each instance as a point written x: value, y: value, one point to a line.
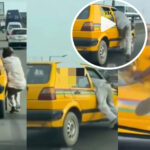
x: 7, y: 52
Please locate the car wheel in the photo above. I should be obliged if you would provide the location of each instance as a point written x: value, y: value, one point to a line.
x: 102, y: 53
x: 70, y: 130
x: 1, y: 109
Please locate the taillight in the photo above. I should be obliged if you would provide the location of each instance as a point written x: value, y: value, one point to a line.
x: 47, y: 94
x: 11, y: 33
x: 88, y: 26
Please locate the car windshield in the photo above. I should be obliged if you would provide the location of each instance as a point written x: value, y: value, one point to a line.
x: 84, y: 14
x: 19, y: 32
x: 38, y: 74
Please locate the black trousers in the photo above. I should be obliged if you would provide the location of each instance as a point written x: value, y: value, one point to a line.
x: 12, y: 95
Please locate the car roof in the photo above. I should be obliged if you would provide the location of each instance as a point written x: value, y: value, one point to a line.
x: 59, y: 64
x: 42, y: 63
x: 104, y: 5
x: 10, y: 23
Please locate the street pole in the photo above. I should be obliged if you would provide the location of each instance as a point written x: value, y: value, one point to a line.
x: 113, y: 3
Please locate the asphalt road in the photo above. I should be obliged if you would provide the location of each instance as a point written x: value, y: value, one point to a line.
x: 133, y: 142
x: 13, y: 127
x: 96, y: 136
x: 116, y: 57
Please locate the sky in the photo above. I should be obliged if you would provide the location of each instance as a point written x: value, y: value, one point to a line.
x: 21, y: 5
x: 49, y: 27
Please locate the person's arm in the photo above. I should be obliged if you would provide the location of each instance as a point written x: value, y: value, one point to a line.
x: 141, y: 74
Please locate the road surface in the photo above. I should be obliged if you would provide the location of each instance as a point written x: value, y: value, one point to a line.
x: 13, y: 127
x: 96, y: 136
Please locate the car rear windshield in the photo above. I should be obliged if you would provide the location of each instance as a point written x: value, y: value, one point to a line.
x: 84, y: 14
x: 14, y: 26
x: 38, y: 74
x: 20, y: 32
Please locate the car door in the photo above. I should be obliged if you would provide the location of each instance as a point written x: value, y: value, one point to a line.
x: 83, y: 92
x: 112, y: 33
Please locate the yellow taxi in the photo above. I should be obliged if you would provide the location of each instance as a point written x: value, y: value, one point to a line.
x: 132, y: 97
x: 3, y: 82
x: 61, y: 98
x: 88, y: 37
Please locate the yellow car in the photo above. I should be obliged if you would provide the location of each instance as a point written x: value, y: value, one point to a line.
x: 132, y: 97
x: 61, y: 98
x: 88, y: 37
x: 3, y: 82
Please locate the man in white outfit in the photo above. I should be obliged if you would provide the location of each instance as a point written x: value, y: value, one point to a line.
x: 124, y: 27
x: 105, y: 100
x: 16, y: 78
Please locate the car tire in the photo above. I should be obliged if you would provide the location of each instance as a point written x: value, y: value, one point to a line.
x: 1, y: 109
x: 70, y: 130
x: 102, y: 53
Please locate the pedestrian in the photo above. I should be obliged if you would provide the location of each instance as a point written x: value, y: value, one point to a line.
x: 105, y: 100
x: 16, y: 78
x: 124, y: 27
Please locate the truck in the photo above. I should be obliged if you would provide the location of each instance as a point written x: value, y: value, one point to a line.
x: 2, y: 16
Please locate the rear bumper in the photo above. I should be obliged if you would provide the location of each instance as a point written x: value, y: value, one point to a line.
x: 18, y: 44
x: 44, y: 115
x: 85, y: 42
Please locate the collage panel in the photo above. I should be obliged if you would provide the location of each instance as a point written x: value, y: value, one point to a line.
x: 109, y: 36
x: 134, y: 101
x: 63, y: 111
x: 13, y: 39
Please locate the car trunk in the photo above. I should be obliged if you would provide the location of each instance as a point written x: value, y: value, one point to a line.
x: 38, y: 78
x: 81, y: 19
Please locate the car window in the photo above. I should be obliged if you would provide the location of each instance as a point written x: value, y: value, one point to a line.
x: 82, y: 82
x: 37, y: 74
x: 20, y: 32
x: 13, y: 14
x: 84, y: 14
x: 14, y: 26
x: 107, y: 13
x: 93, y: 74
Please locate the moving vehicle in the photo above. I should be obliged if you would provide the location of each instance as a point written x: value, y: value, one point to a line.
x: 88, y: 37
x: 132, y: 97
x: 18, y: 37
x: 61, y: 98
x: 13, y: 25
x: 3, y: 82
x: 13, y: 16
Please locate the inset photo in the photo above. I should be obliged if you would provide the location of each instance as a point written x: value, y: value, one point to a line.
x: 109, y: 34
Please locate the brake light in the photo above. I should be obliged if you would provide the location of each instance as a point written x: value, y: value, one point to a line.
x: 47, y: 94
x: 11, y: 33
x: 88, y: 26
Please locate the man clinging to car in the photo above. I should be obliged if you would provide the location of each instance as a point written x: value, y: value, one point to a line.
x: 16, y: 78
x: 124, y: 27
x: 105, y: 100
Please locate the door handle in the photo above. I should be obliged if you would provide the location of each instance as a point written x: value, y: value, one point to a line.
x: 77, y: 92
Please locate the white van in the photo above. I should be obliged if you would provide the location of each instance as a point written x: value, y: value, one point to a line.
x: 13, y: 25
